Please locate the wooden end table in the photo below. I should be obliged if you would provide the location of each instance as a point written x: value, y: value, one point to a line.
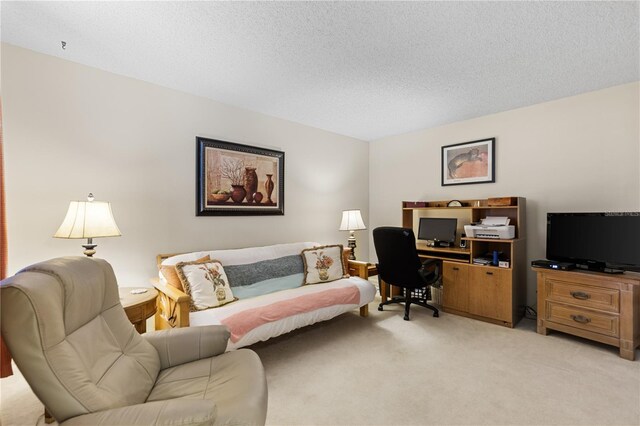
x: 138, y: 307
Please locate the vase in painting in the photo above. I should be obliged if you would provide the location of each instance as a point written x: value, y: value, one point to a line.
x: 268, y: 186
x: 250, y: 183
x: 238, y: 193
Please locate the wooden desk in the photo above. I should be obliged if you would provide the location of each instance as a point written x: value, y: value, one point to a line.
x: 138, y: 307
x: 483, y: 292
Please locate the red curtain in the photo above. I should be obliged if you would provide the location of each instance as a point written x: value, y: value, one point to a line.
x: 5, y: 356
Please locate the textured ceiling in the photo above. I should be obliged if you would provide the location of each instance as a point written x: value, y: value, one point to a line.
x: 363, y: 69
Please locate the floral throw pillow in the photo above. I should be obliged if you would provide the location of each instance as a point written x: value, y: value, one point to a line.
x: 206, y: 283
x: 323, y: 264
x: 171, y: 275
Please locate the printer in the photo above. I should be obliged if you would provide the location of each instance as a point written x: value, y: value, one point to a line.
x: 492, y: 227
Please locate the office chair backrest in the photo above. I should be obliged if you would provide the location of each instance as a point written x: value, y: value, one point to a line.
x: 398, y: 261
x: 70, y: 337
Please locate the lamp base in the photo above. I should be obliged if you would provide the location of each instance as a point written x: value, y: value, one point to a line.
x: 351, y: 243
x: 89, y: 248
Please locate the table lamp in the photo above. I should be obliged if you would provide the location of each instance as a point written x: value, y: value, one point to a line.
x: 88, y: 219
x: 352, y: 221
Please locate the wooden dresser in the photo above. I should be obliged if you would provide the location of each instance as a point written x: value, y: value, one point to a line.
x: 593, y: 305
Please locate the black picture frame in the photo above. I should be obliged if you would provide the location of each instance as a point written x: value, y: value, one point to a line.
x: 468, y: 162
x: 225, y: 169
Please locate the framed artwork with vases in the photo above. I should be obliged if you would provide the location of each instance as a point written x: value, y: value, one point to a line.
x: 238, y: 180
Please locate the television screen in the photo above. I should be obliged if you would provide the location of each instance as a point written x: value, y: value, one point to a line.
x: 437, y: 229
x: 597, y: 240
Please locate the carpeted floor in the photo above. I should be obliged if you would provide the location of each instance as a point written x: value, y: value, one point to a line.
x: 447, y: 370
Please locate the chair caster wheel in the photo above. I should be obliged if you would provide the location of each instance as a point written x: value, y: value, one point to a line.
x: 435, y: 314
x: 379, y: 308
x: 406, y: 317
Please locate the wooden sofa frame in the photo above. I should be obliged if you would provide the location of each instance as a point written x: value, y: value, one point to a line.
x: 173, y: 304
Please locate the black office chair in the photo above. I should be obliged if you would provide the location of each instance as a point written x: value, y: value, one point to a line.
x: 399, y: 265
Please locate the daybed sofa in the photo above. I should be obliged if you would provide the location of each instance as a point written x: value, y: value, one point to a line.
x: 268, y: 285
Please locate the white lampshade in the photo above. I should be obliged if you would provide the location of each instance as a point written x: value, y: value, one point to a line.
x: 352, y: 221
x: 88, y: 219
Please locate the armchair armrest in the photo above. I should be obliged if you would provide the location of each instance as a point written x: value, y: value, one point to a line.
x: 167, y: 412
x: 173, y: 306
x: 181, y: 345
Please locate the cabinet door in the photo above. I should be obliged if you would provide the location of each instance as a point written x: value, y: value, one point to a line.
x: 490, y: 292
x: 455, y: 286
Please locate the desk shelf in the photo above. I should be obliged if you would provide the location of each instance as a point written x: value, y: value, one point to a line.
x: 456, y: 250
x: 493, y: 207
x: 490, y: 240
x: 429, y: 256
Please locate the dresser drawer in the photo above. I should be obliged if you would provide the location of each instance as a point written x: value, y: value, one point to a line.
x: 601, y: 298
x: 602, y: 323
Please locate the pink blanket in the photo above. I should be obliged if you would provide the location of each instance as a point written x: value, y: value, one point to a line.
x: 243, y: 322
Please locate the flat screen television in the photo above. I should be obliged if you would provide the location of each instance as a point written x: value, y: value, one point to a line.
x: 608, y: 242
x: 442, y: 231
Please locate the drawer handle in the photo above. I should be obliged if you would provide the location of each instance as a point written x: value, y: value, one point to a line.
x: 581, y: 319
x: 580, y: 295
x: 489, y: 273
x: 456, y: 268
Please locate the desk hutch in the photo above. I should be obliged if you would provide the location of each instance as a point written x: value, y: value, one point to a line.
x: 488, y: 293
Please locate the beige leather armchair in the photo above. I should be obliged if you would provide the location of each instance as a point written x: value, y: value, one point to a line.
x: 70, y: 337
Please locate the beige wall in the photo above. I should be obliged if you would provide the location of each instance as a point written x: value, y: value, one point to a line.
x: 575, y: 154
x: 72, y: 129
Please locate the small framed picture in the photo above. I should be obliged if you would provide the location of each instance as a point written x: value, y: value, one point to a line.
x: 234, y: 179
x: 469, y: 162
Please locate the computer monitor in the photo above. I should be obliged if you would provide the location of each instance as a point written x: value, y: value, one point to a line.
x: 442, y: 231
